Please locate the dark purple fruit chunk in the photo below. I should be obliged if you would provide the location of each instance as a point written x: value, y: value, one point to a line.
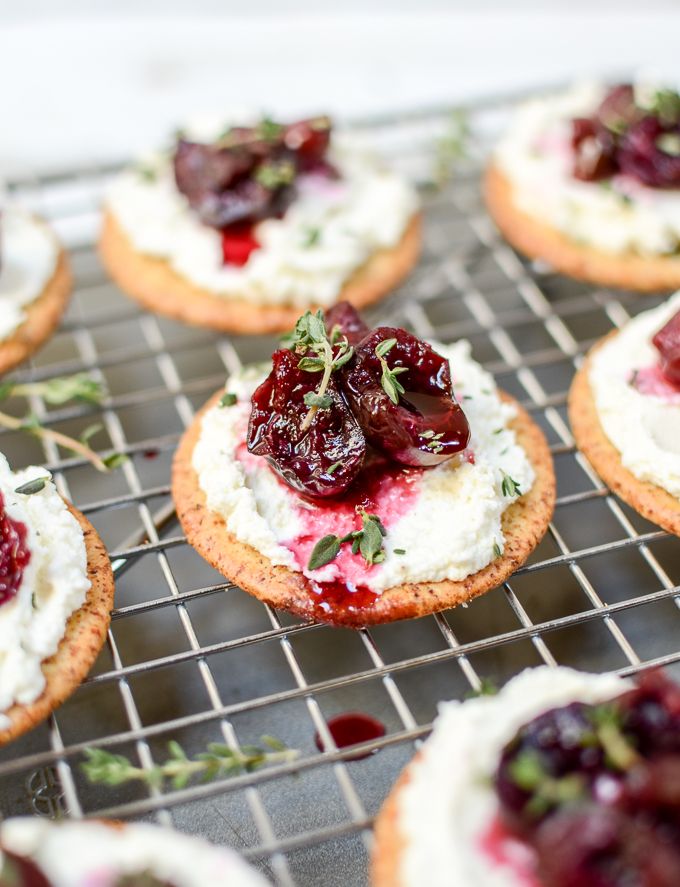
x: 14, y: 554
x: 320, y: 461
x: 667, y: 343
x: 20, y: 871
x: 403, y: 399
x: 249, y: 173
x: 650, y: 152
x: 594, y: 151
x: 602, y: 847
x: 348, y: 320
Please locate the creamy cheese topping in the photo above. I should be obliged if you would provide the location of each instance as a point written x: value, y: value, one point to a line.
x: 447, y: 806
x: 366, y: 210
x: 92, y: 854
x: 618, y: 215
x: 29, y: 253
x: 644, y: 428
x: 53, y: 586
x: 451, y: 529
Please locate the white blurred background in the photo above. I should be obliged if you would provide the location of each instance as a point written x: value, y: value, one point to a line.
x: 84, y: 81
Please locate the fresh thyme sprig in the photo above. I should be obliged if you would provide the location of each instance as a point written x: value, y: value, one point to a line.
x: 179, y: 769
x: 509, y: 486
x: 391, y: 385
x: 368, y: 542
x: 451, y: 147
x: 318, y: 354
x: 58, y: 391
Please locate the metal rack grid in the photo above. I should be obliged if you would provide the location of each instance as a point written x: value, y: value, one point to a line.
x: 189, y: 657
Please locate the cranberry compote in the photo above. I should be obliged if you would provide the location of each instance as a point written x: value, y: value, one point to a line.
x: 667, y: 343
x: 249, y: 173
x: 595, y: 789
x: 321, y: 460
x: 14, y: 554
x: 419, y: 423
x: 623, y: 137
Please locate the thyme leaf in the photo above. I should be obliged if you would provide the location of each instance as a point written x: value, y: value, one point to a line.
x: 509, y: 486
x: 388, y: 379
x: 33, y: 486
x: 228, y: 399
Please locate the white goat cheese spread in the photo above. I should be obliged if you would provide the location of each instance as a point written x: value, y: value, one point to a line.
x: 29, y: 253
x: 448, y: 804
x: 644, y: 427
x: 85, y: 854
x: 450, y: 530
x: 366, y: 210
x: 54, y: 584
x: 617, y: 215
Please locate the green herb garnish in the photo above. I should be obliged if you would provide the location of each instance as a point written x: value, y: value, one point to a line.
x: 368, y: 542
x: 509, y: 486
x: 275, y: 174
x: 228, y: 399
x: 33, y: 486
x: 391, y: 385
x: 311, y: 236
x: 104, y: 767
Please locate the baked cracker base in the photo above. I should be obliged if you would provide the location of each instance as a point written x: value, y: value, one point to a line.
x: 153, y: 283
x: 524, y: 524
x: 537, y: 240
x: 649, y: 500
x: 42, y: 318
x: 84, y: 637
x: 388, y: 842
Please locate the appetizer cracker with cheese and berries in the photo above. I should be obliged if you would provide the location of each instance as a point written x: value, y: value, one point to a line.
x: 35, y: 285
x: 56, y: 596
x: 240, y: 228
x: 364, y: 476
x: 589, y: 181
x: 562, y: 779
x: 35, y: 852
x: 624, y: 408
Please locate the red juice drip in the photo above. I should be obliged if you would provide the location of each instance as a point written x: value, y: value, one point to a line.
x: 502, y: 848
x: 652, y: 381
x: 353, y: 728
x: 14, y: 554
x: 238, y: 242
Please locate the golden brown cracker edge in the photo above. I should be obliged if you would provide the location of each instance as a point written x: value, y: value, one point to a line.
x: 537, y: 240
x: 649, y: 500
x: 84, y: 637
x: 154, y: 284
x: 42, y: 318
x: 524, y: 525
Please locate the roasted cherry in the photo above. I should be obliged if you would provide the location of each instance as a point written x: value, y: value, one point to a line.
x: 322, y: 460
x: 650, y: 152
x: 309, y: 140
x: 348, y: 320
x: 594, y: 150
x: 14, y: 554
x: 667, y: 343
x: 617, y: 110
x: 425, y: 426
x: 19, y: 871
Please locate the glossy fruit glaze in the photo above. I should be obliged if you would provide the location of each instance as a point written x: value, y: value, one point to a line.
x: 14, y: 554
x: 667, y: 343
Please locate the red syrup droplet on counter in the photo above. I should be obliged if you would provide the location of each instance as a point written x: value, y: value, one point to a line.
x: 503, y: 849
x: 238, y: 242
x: 14, y: 554
x: 151, y: 454
x: 353, y: 728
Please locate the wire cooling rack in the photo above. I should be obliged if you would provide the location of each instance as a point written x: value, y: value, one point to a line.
x: 189, y: 657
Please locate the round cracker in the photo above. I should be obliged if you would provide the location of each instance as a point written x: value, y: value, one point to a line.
x: 83, y: 639
x: 524, y: 524
x: 538, y: 240
x: 388, y: 841
x: 648, y: 499
x: 153, y: 283
x: 42, y: 318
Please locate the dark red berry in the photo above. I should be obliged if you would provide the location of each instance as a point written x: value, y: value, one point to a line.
x: 667, y: 343
x: 426, y: 425
x: 322, y: 460
x: 594, y: 151
x: 617, y: 110
x: 14, y: 554
x: 19, y: 871
x: 650, y: 152
x: 309, y: 141
x: 345, y: 317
